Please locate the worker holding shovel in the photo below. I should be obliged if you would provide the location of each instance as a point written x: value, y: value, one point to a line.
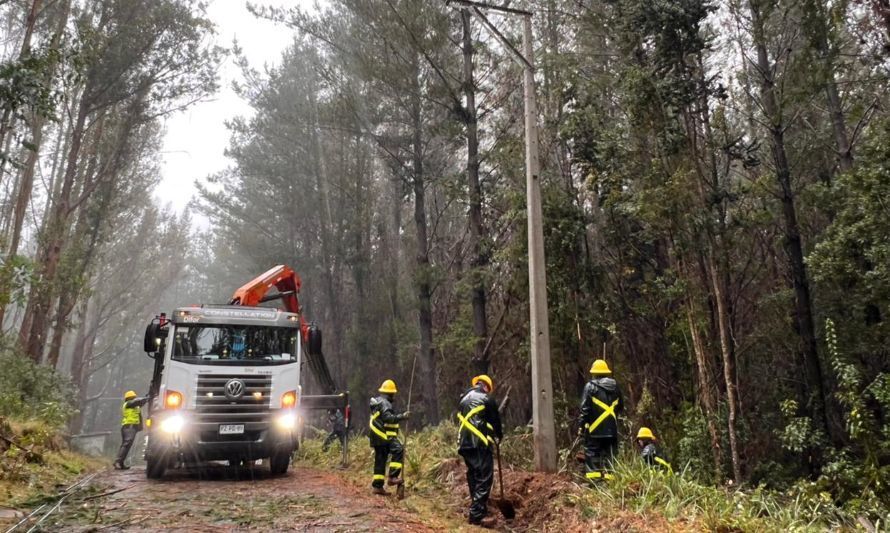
x: 480, y: 425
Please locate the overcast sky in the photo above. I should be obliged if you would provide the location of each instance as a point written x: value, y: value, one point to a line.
x: 196, y: 138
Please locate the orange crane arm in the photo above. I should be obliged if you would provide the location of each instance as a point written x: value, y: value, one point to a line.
x: 283, y: 278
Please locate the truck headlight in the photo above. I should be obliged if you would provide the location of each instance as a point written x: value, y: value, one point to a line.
x: 286, y: 421
x: 172, y: 424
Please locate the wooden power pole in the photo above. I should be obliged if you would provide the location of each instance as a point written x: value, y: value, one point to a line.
x: 542, y: 381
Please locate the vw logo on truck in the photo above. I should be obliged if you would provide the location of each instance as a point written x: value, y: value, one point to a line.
x: 234, y: 389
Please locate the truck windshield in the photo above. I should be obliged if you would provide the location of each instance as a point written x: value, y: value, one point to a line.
x: 235, y: 345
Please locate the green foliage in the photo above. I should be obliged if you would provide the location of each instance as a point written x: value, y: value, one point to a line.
x: 646, y: 491
x: 33, y: 392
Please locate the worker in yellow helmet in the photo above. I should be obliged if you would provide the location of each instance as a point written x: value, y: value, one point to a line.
x: 650, y: 453
x: 600, y: 403
x: 131, y: 424
x: 383, y: 432
x: 480, y: 425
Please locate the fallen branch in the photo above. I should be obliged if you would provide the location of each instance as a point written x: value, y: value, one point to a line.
x: 29, y: 454
x: 104, y: 494
x: 505, y: 400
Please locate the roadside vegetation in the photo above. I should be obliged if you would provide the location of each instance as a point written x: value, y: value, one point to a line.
x: 639, y: 498
x: 35, y: 406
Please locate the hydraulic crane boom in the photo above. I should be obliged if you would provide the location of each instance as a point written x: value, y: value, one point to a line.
x: 288, y: 283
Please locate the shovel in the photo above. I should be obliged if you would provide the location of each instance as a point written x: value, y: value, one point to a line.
x: 400, y: 489
x: 504, y: 505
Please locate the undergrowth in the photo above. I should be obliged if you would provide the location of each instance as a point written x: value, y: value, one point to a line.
x: 637, y: 492
x: 35, y: 405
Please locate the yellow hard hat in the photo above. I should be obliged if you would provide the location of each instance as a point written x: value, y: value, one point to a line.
x: 388, y: 387
x: 600, y: 367
x: 129, y: 394
x: 645, y: 433
x: 484, y: 378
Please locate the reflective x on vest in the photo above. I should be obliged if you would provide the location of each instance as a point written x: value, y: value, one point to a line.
x: 465, y: 423
x: 379, y: 433
x: 130, y: 415
x: 665, y: 464
x: 608, y: 410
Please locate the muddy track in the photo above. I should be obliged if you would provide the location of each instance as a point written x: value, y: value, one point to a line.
x: 232, y: 499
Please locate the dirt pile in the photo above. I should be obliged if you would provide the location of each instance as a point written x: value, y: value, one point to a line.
x: 538, y: 498
x: 548, y: 502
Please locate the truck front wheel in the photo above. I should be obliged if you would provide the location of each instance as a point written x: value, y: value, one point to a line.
x: 154, y: 467
x: 279, y: 462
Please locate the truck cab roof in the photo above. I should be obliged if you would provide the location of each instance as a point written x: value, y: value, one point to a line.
x: 235, y: 314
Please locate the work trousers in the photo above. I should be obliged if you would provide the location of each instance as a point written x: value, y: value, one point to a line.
x: 598, y: 454
x: 335, y: 435
x: 394, y: 453
x: 480, y: 476
x: 128, y: 436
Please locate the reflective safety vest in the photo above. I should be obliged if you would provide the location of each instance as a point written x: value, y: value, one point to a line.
x: 131, y: 416
x: 387, y: 432
x: 608, y: 410
x: 466, y: 424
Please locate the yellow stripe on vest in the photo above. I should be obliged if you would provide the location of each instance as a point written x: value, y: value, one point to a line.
x: 465, y: 423
x: 608, y: 410
x: 665, y: 464
x: 379, y: 433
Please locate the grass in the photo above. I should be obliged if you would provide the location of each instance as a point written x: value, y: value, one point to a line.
x: 641, y: 490
x: 639, y: 497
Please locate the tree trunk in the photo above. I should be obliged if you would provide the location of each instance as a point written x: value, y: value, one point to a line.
x: 35, y: 323
x: 792, y: 238
x: 479, y: 260
x: 426, y: 357
x: 80, y: 356
x: 727, y: 350
x: 26, y: 183
x: 707, y: 390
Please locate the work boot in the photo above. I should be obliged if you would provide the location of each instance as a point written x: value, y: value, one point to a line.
x: 395, y: 481
x: 380, y: 491
x: 487, y: 522
x: 117, y: 465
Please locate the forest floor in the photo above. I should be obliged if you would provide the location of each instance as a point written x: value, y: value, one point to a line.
x: 219, y: 498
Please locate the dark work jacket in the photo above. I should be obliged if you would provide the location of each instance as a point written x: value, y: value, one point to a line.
x: 604, y: 389
x: 384, y: 423
x: 484, y: 424
x: 654, y: 457
x: 338, y: 423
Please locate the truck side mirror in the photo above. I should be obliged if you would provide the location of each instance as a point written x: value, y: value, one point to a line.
x: 152, y: 340
x: 313, y: 346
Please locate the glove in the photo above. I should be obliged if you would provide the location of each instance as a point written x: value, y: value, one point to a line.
x: 405, y: 415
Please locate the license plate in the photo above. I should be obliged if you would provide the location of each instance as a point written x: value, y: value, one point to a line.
x: 231, y: 429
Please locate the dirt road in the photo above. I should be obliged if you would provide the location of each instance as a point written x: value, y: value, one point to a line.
x: 233, y: 499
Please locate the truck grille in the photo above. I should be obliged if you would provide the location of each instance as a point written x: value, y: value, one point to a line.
x: 214, y: 407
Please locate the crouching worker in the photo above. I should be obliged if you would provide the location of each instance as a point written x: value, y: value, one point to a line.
x: 480, y: 425
x: 384, y: 435
x: 650, y: 453
x: 131, y: 424
x: 338, y: 429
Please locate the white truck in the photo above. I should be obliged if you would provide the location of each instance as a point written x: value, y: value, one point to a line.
x: 227, y: 379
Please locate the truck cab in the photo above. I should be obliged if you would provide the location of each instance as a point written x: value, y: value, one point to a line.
x: 226, y: 386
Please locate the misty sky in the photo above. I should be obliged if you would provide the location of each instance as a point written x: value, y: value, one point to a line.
x: 196, y: 138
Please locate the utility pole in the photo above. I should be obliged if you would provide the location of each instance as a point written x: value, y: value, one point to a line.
x: 542, y: 382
